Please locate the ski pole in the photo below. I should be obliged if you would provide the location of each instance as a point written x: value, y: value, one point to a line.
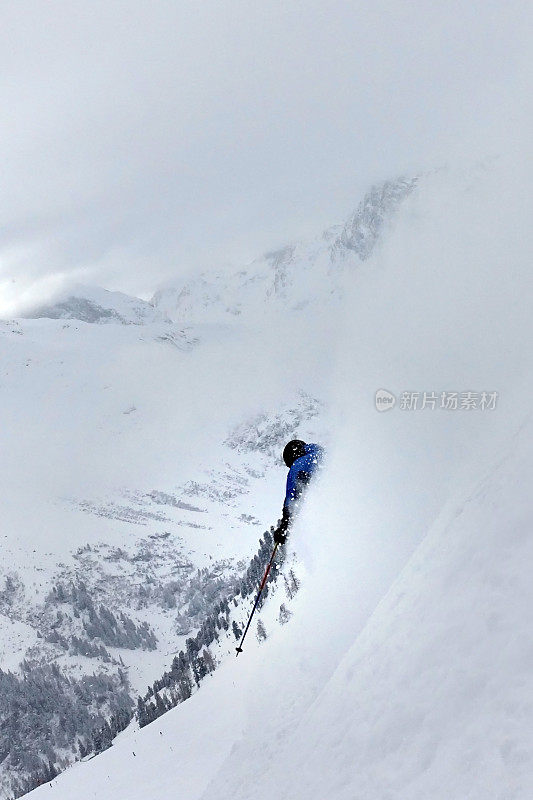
x: 265, y: 578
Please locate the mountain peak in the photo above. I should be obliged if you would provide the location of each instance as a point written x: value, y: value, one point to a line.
x: 293, y: 276
x: 96, y: 305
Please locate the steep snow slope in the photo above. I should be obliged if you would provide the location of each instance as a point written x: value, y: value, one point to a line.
x: 432, y: 311
x: 433, y: 699
x: 423, y: 689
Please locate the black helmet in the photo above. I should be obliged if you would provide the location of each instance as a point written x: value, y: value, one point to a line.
x: 293, y: 450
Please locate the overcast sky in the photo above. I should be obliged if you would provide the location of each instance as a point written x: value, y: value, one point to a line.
x: 141, y: 141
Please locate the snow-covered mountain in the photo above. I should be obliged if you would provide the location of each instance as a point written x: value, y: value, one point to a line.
x: 131, y: 511
x: 299, y: 275
x: 141, y: 468
x: 124, y: 524
x: 94, y: 304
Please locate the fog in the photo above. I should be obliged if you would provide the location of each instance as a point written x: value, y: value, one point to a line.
x: 144, y: 142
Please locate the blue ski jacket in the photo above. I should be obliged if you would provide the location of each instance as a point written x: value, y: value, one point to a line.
x: 300, y: 474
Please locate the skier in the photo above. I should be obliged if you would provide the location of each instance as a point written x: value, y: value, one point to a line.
x: 302, y: 460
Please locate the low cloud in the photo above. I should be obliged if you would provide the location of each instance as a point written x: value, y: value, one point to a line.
x: 142, y: 142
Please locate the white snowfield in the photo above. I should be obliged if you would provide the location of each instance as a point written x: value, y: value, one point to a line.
x: 406, y: 669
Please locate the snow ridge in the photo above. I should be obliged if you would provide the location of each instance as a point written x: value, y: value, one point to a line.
x: 96, y: 306
x: 293, y: 277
